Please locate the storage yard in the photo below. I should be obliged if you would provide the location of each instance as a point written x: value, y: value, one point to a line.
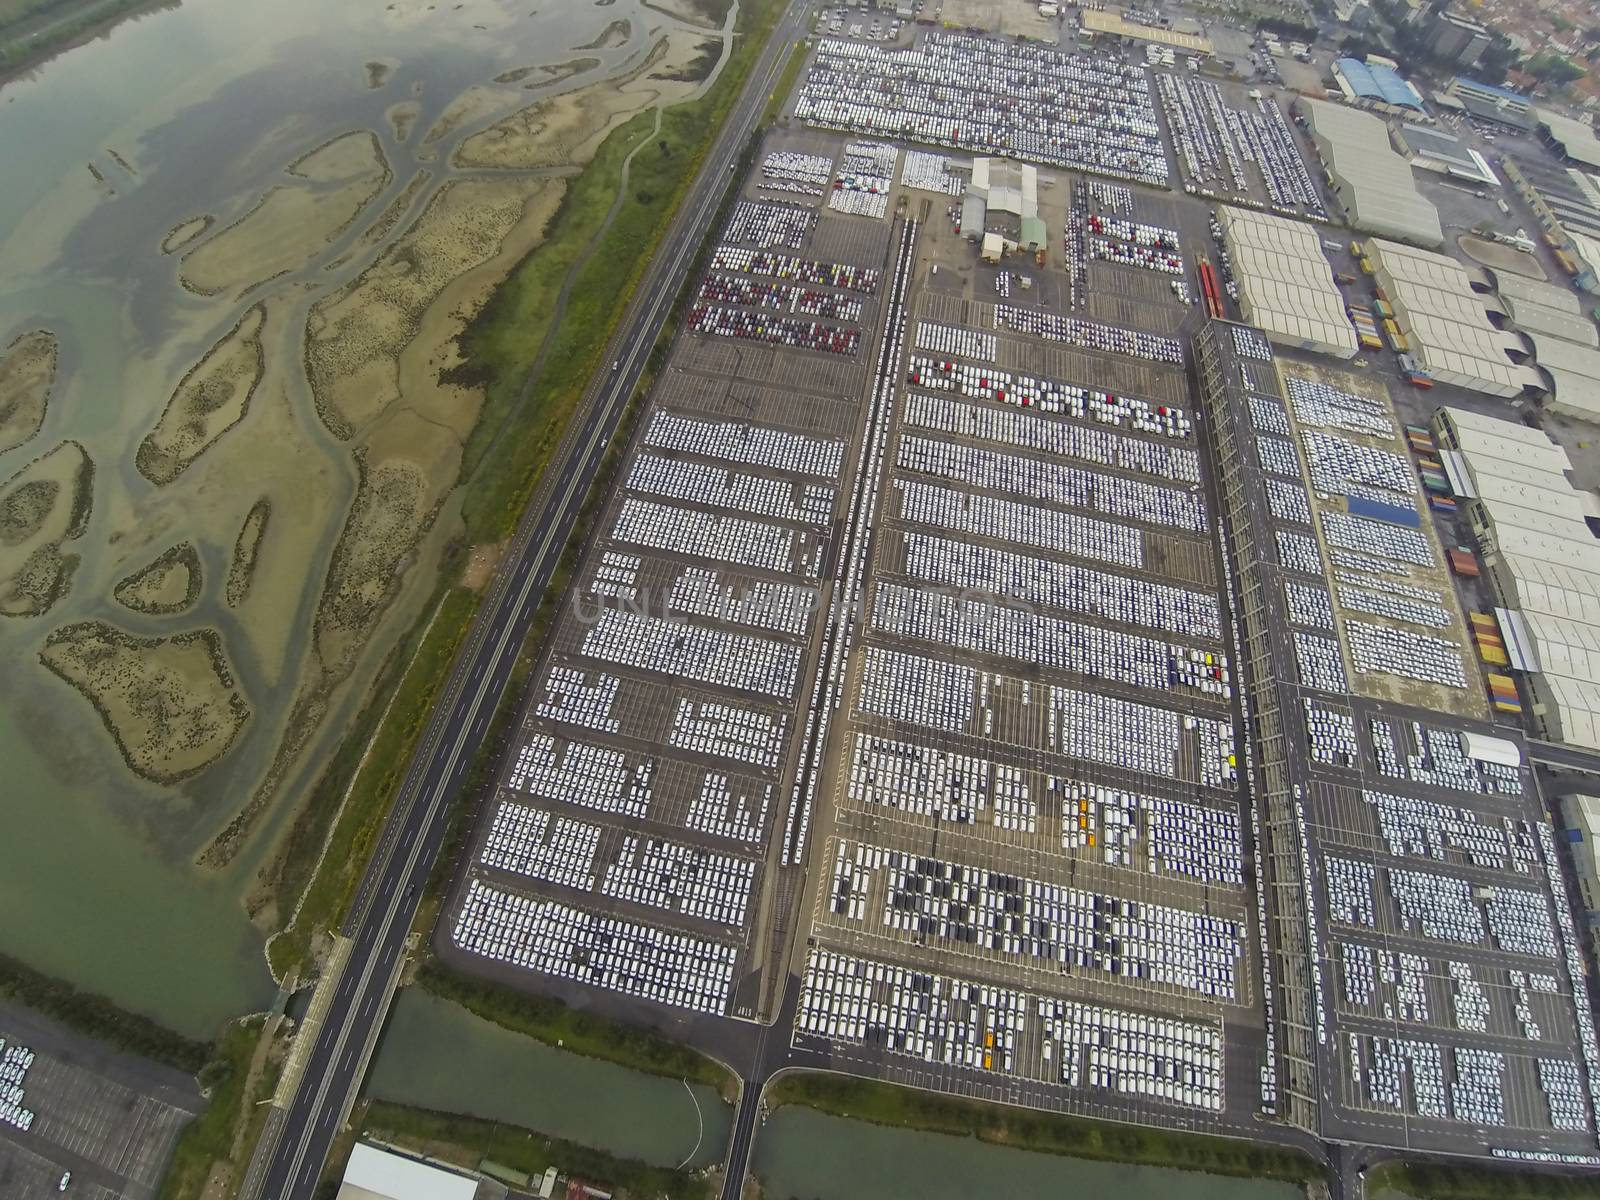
x: 906, y: 678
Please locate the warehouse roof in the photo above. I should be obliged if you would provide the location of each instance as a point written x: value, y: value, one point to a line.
x: 1428, y: 145
x: 1544, y: 561
x: 377, y: 1173
x: 1286, y: 286
x: 1372, y: 181
x: 1549, y: 295
x: 1575, y: 139
x: 1444, y: 320
x: 1536, y: 318
x: 1373, y: 81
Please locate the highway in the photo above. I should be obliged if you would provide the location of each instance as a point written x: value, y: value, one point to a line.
x: 293, y: 1152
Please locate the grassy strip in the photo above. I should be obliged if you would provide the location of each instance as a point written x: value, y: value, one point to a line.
x: 785, y: 85
x: 467, y: 1141
x: 1044, y: 1133
x: 549, y: 1020
x: 326, y: 895
x: 94, y: 1015
x: 507, y: 335
x: 1439, y: 1181
x: 209, y: 1138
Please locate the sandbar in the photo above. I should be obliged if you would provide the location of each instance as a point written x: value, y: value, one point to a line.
x: 43, y: 506
x: 211, y: 399
x: 246, y: 550
x: 169, y: 584
x: 170, y: 703
x: 27, y: 373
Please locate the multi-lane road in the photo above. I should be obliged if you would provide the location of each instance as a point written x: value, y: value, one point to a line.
x: 293, y: 1151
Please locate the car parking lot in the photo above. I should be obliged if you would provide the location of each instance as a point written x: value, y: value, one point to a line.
x: 71, y: 1106
x: 1441, y: 990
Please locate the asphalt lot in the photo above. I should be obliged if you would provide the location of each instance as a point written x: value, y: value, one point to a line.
x: 108, y: 1118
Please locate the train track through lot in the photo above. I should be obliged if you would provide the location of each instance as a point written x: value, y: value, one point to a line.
x: 289, y: 1167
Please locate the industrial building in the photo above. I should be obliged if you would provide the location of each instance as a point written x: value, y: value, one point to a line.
x: 375, y: 1173
x: 1487, y: 102
x: 1573, y: 140
x: 1286, y: 288
x: 1455, y: 39
x: 1003, y: 199
x: 1543, y: 308
x: 1430, y: 149
x: 1445, y: 321
x: 1573, y: 372
x: 1542, y: 558
x: 1564, y: 200
x: 1580, y: 816
x: 1372, y: 182
x: 1375, y: 86
x: 1101, y: 22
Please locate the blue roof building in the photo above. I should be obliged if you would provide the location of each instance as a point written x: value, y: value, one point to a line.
x: 1375, y: 86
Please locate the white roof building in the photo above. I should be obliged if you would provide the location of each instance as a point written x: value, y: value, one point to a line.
x: 1286, y: 286
x: 1445, y: 322
x: 1373, y: 182
x: 1574, y: 375
x: 377, y: 1174
x: 1574, y: 139
x: 1543, y: 560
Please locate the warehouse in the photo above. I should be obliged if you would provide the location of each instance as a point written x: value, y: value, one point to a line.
x: 1535, y: 318
x: 1580, y: 815
x: 1490, y: 103
x: 1445, y: 322
x: 374, y: 1173
x: 1286, y: 287
x: 1574, y: 375
x: 1563, y: 199
x: 1003, y: 198
x: 1372, y: 182
x: 1375, y: 86
x: 1533, y: 529
x: 1572, y: 140
x: 1443, y: 153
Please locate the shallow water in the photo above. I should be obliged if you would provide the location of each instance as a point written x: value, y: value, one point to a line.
x: 435, y: 1054
x: 864, y: 1162
x: 206, y: 103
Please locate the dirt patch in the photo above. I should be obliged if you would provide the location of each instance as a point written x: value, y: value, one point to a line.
x: 481, y: 563
x: 168, y: 585
x: 355, y: 337
x: 402, y: 119
x: 170, y: 703
x: 1500, y: 257
x: 210, y: 400
x: 699, y: 68
x: 290, y: 224
x: 27, y: 373
x: 42, y: 507
x: 613, y: 35
x: 184, y: 232
x: 246, y: 549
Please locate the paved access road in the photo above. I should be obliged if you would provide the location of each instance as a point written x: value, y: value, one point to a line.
x: 302, y: 1136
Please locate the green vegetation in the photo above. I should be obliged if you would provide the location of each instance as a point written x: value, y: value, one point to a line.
x: 467, y: 1141
x: 785, y: 84
x: 506, y: 337
x: 1045, y: 1133
x: 210, y: 1137
x: 413, y: 678
x: 549, y: 1020
x: 94, y: 1015
x: 1437, y: 1181
x: 31, y: 30
x: 504, y: 459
